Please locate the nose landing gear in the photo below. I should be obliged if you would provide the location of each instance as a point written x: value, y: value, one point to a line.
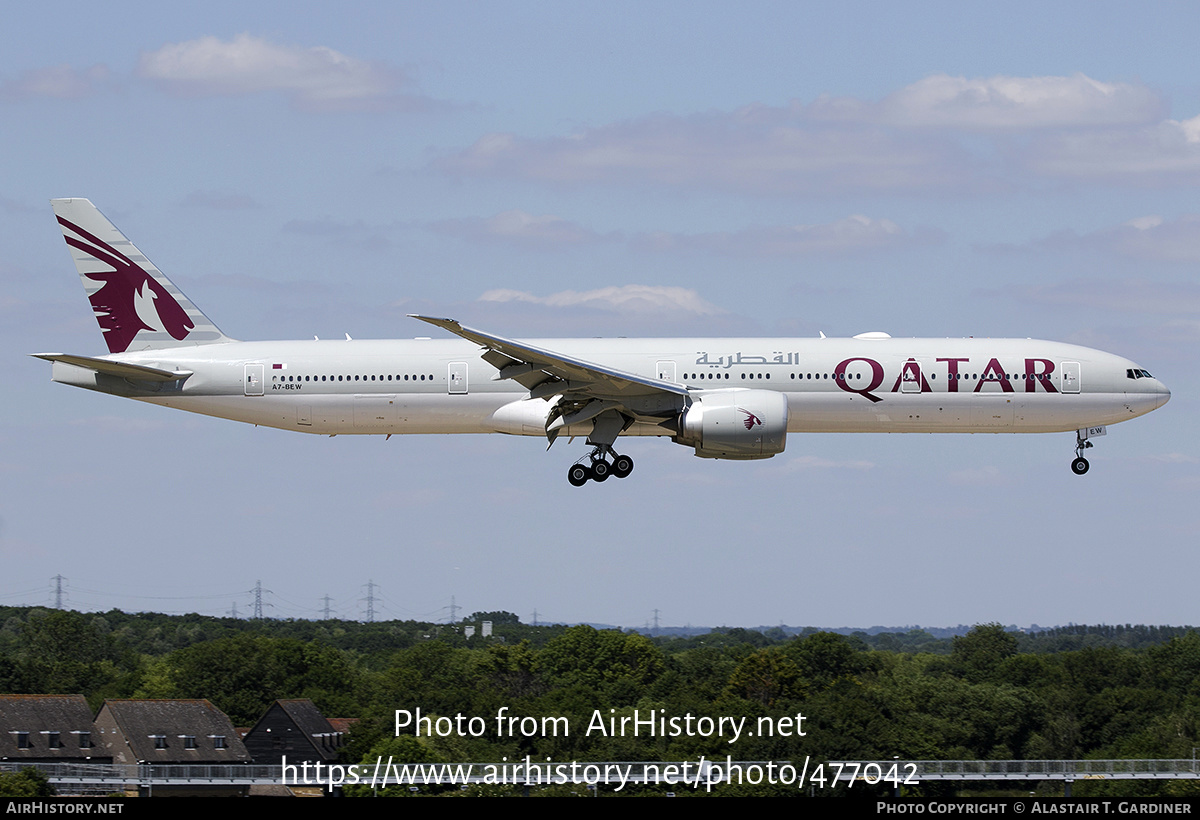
x: 1080, y: 465
x: 599, y: 468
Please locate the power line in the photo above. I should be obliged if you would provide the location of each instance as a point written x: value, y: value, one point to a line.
x: 58, y: 591
x: 258, y: 601
x: 371, y: 601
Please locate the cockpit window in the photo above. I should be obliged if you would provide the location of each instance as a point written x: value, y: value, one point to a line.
x: 1137, y: 373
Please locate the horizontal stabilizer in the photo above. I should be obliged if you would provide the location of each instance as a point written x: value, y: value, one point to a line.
x: 120, y: 369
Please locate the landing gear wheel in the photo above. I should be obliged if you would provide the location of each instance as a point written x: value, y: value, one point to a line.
x: 622, y: 466
x: 1080, y: 466
x: 601, y: 470
x: 578, y: 475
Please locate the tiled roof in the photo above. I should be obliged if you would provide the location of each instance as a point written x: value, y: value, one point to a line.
x: 48, y: 726
x: 174, y: 731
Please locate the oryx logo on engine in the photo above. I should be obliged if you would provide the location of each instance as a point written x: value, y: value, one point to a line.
x: 750, y: 419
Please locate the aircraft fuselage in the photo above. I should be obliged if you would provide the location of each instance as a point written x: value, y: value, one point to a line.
x: 832, y: 385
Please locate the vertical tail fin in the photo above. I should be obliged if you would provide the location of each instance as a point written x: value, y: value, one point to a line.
x: 137, y: 307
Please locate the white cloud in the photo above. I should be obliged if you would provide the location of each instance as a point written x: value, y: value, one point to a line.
x: 1020, y: 103
x: 60, y: 82
x: 1123, y: 296
x: 853, y: 234
x: 758, y: 149
x: 1149, y: 238
x: 623, y: 299
x: 316, y: 78
x: 1177, y: 240
x: 849, y: 235
x: 939, y: 132
x: 1145, y: 223
x: 1165, y: 153
x: 1190, y: 129
x: 518, y: 227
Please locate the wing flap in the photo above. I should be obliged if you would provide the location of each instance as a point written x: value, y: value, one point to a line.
x: 525, y: 374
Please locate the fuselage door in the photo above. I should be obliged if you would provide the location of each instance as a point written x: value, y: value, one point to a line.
x: 456, y: 377
x: 254, y: 380
x: 910, y: 378
x: 1070, y: 377
x: 666, y: 371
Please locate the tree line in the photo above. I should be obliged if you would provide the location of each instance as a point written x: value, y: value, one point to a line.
x: 990, y: 694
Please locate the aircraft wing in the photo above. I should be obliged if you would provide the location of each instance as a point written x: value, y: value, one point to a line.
x: 540, y: 369
x: 609, y: 398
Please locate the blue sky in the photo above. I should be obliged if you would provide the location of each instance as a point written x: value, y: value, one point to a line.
x: 926, y: 169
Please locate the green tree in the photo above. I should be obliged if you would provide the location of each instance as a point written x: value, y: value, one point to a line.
x: 826, y: 657
x: 608, y: 662
x: 62, y: 653
x: 244, y: 674
x: 766, y: 676
x: 510, y: 670
x: 25, y: 783
x: 977, y: 654
x: 389, y: 751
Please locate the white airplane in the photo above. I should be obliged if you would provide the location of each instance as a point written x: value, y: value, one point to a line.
x: 726, y: 398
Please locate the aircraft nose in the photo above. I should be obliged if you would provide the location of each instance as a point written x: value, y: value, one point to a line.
x: 1164, y: 395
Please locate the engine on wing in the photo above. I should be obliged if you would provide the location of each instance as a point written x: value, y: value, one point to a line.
x: 735, y: 424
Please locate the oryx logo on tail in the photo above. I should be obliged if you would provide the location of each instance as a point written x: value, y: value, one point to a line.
x: 129, y: 299
x: 135, y: 304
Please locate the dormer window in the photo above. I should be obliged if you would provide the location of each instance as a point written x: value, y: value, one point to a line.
x: 189, y: 741
x: 218, y: 741
x: 53, y: 740
x: 22, y: 740
x: 160, y: 741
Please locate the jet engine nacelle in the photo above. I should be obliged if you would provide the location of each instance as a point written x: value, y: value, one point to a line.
x: 735, y: 424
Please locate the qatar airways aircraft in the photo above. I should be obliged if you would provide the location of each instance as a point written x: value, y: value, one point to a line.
x: 726, y: 398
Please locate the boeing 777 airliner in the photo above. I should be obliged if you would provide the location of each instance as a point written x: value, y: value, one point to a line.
x: 726, y: 398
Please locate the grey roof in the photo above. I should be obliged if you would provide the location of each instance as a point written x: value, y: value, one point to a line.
x: 295, y: 729
x: 142, y: 723
x: 45, y: 719
x: 307, y: 717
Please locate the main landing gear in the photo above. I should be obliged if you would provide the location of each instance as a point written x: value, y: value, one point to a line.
x: 599, y: 467
x: 1080, y: 465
